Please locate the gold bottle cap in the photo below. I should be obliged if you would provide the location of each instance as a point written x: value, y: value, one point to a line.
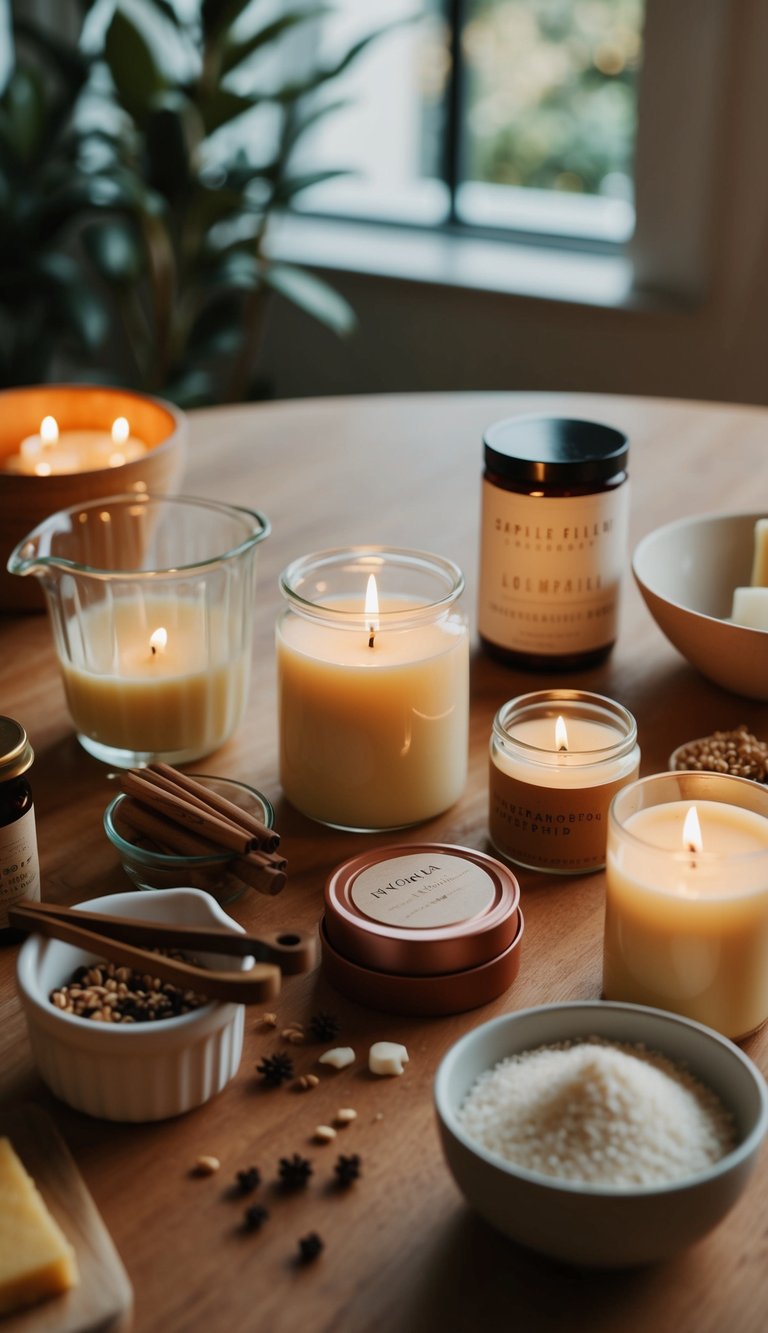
x: 16, y: 753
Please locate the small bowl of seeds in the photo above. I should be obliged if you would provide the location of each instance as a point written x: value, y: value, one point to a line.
x: 737, y: 752
x: 122, y: 1045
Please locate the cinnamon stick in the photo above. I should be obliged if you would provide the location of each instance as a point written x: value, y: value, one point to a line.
x: 262, y: 871
x: 268, y: 839
x: 221, y: 833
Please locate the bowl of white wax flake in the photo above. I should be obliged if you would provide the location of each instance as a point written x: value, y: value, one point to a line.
x: 600, y: 1134
x: 705, y: 582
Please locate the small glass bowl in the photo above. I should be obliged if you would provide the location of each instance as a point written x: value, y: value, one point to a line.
x: 153, y: 870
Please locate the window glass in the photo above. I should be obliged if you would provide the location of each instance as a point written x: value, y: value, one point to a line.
x: 544, y: 138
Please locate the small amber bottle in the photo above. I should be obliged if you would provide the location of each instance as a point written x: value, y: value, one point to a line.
x: 19, y: 867
x: 553, y: 546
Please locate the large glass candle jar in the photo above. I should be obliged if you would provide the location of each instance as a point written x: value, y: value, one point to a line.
x: 686, y: 910
x: 373, y: 687
x: 151, y: 601
x: 558, y: 757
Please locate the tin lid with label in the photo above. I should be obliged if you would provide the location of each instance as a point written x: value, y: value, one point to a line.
x: 421, y: 908
x: 16, y: 753
x: 555, y: 450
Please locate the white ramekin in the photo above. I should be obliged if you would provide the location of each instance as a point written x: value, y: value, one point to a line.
x: 139, y: 1072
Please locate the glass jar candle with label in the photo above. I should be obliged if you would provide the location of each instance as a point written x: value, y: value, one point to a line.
x: 19, y: 868
x: 558, y: 757
x: 373, y: 687
x: 555, y: 507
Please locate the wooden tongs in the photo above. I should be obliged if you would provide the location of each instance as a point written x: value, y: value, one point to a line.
x: 129, y: 941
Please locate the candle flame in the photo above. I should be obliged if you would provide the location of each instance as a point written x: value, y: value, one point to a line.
x: 371, y: 608
x: 49, y: 430
x: 120, y: 430
x: 561, y: 734
x: 158, y: 640
x: 692, y: 839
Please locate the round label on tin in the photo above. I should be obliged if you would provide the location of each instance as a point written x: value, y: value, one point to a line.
x: 422, y: 891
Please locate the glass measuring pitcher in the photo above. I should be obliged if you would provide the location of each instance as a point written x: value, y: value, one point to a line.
x: 151, y: 602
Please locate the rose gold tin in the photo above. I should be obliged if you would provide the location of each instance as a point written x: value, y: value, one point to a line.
x: 421, y: 909
x: 423, y: 996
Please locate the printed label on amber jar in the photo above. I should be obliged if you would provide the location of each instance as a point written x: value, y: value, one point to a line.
x: 421, y: 892
x: 550, y: 569
x: 19, y: 869
x: 548, y: 828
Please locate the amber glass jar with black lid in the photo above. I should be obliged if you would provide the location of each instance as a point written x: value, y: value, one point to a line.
x: 19, y: 868
x: 555, y: 509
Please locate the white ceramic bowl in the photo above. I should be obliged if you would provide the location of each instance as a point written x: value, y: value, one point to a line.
x: 583, y: 1224
x: 139, y: 1072
x: 686, y: 572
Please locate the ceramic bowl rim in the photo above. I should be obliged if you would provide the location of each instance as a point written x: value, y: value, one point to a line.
x: 693, y: 520
x: 447, y: 1113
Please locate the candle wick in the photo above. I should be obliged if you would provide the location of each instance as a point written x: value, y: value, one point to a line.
x: 153, y: 650
x: 692, y: 850
x: 562, y: 749
x: 371, y: 633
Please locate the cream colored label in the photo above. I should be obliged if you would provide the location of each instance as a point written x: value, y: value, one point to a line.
x: 420, y: 892
x: 550, y: 569
x: 550, y: 828
x: 19, y: 869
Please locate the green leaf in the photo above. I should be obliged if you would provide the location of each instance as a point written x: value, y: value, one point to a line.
x: 312, y: 295
x: 218, y: 329
x: 137, y: 76
x: 116, y: 250
x: 235, y: 52
x: 216, y: 15
x: 288, y: 187
x: 174, y: 132
x: 291, y: 92
x: 299, y: 123
x: 25, y: 113
x: 222, y: 107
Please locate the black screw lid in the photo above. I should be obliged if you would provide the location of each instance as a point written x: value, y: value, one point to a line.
x: 557, y: 450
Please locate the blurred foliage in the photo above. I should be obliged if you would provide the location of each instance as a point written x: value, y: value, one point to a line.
x: 552, y: 92
x: 139, y: 170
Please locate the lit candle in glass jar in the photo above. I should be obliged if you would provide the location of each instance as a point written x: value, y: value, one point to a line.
x: 686, y: 917
x: 373, y: 687
x: 557, y: 759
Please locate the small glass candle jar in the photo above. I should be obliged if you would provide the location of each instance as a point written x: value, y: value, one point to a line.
x: 558, y: 757
x: 553, y: 541
x: 373, y: 687
x: 686, y: 910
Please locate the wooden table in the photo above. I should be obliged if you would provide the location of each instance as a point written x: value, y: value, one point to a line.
x: 402, y: 1251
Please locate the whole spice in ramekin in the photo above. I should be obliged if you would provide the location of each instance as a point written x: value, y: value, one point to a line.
x: 736, y: 752
x: 107, y: 993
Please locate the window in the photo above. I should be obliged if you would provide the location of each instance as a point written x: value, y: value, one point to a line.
x: 487, y: 114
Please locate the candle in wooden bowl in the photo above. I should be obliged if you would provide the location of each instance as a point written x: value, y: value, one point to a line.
x: 61, y: 444
x: 373, y: 687
x: 557, y: 759
x: 686, y: 918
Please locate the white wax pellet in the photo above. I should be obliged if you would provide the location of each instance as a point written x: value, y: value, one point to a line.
x: 387, y: 1057
x: 339, y: 1057
x: 750, y: 607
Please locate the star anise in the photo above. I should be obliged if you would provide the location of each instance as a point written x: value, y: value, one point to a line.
x: 294, y: 1172
x: 347, y: 1170
x: 309, y: 1247
x: 254, y: 1217
x: 275, y: 1069
x: 248, y: 1180
x: 324, y: 1026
